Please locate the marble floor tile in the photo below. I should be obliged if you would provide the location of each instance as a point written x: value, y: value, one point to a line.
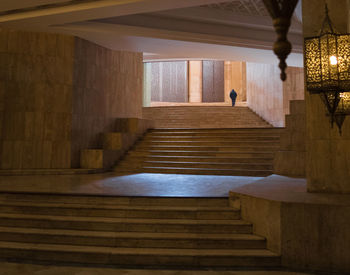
x: 143, y: 184
x: 32, y: 269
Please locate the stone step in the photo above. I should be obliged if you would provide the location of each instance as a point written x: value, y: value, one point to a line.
x: 249, y: 148
x: 119, y: 211
x: 297, y: 107
x: 203, y: 171
x: 132, y: 239
x: 138, y: 256
x: 188, y: 164
x: 208, y: 112
x: 41, y: 172
x: 217, y: 159
x: 220, y: 130
x: 195, y: 128
x: 210, y: 121
x: 213, y: 134
x: 204, y: 117
x: 146, y: 152
x: 178, y: 122
x: 243, y: 143
x: 211, y: 138
x: 183, y: 151
x: 208, y: 117
x: 113, y: 200
x: 125, y: 224
x: 165, y: 124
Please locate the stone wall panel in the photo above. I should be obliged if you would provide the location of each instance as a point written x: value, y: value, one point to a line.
x: 36, y: 89
x: 106, y: 85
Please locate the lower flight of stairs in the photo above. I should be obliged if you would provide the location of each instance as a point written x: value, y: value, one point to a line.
x: 129, y: 231
x: 235, y: 152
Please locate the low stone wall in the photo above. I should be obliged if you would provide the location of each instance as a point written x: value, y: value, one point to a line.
x: 115, y: 144
x: 309, y: 231
x: 290, y: 158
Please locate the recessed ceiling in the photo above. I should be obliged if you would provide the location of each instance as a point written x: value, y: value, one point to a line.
x: 17, y: 6
x: 187, y: 29
x: 244, y: 7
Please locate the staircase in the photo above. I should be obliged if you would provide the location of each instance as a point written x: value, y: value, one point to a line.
x: 129, y: 231
x: 204, y: 117
x: 235, y: 152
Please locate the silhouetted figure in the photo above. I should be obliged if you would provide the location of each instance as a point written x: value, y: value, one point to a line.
x: 233, y: 96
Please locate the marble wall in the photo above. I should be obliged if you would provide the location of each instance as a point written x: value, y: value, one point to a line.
x: 213, y: 81
x: 293, y: 87
x: 195, y: 81
x: 289, y: 160
x: 36, y: 77
x: 264, y: 92
x: 106, y: 85
x: 235, y: 78
x: 316, y: 236
x: 328, y: 152
x: 168, y: 81
x: 268, y: 96
x: 309, y: 231
x: 57, y: 93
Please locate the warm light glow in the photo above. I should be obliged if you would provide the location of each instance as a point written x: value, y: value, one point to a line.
x: 333, y: 60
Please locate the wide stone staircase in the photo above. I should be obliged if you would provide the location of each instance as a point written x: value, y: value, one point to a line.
x: 203, y: 117
x: 128, y: 231
x: 235, y: 151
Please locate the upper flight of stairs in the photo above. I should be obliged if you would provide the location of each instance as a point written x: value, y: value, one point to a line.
x: 203, y: 117
x: 129, y: 231
x: 236, y: 152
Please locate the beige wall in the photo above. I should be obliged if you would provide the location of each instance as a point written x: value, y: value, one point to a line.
x: 289, y: 160
x: 315, y: 237
x: 195, y: 81
x: 268, y: 96
x: 167, y: 81
x: 235, y: 78
x: 36, y: 72
x: 328, y: 152
x: 265, y: 92
x: 107, y: 85
x: 311, y: 236
x: 293, y: 87
x: 57, y: 93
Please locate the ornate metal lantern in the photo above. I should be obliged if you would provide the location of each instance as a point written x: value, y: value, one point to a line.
x: 281, y: 12
x: 327, y: 70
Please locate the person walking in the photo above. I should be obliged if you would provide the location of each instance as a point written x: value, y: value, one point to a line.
x: 233, y: 96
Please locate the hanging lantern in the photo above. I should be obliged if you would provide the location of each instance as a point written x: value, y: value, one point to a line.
x: 327, y: 70
x: 281, y: 12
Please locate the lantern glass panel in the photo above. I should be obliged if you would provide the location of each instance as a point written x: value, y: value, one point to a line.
x: 331, y: 101
x: 343, y: 42
x: 313, y: 64
x: 344, y: 103
x: 329, y: 71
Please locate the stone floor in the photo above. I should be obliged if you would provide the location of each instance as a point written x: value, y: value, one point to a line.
x: 31, y: 269
x: 287, y: 189
x: 144, y: 184
x: 275, y: 188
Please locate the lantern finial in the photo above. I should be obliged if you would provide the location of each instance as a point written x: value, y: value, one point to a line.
x: 281, y: 12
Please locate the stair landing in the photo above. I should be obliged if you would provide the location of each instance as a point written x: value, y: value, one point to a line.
x: 204, y: 117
